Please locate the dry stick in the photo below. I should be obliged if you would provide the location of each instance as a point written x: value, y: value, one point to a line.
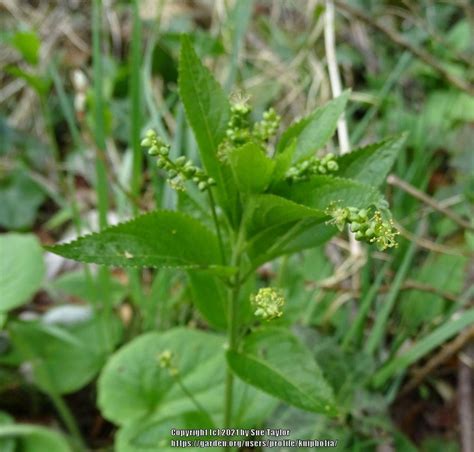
x: 335, y: 80
x: 410, y: 189
x: 407, y: 285
x: 442, y: 356
x: 428, y: 244
x: 398, y: 39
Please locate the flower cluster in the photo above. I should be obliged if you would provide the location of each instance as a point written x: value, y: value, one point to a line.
x: 268, y: 303
x: 367, y: 227
x: 311, y: 167
x: 165, y: 361
x: 267, y: 128
x: 239, y: 130
x: 179, y: 170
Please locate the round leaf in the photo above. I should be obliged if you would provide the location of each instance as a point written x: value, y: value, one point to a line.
x: 21, y: 269
x: 134, y: 387
x: 31, y: 438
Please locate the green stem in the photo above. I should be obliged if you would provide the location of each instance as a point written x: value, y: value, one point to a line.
x: 191, y: 397
x: 232, y: 339
x: 216, y: 223
x: 97, y: 57
x: 101, y: 184
x: 233, y: 321
x: 135, y: 89
x: 69, y: 421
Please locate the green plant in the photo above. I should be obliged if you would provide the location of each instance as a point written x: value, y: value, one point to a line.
x: 263, y: 204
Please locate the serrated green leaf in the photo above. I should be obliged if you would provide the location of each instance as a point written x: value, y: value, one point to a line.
x: 314, y: 131
x: 283, y: 163
x: 156, y: 239
x: 275, y: 361
x: 288, y: 238
x: 21, y: 269
x: 252, y: 169
x: 268, y: 211
x: 32, y: 438
x: 207, y: 110
x: 133, y: 387
x: 371, y: 164
x: 320, y: 192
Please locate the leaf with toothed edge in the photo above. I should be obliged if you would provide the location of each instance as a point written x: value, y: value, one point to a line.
x: 276, y: 362
x: 207, y: 111
x: 156, y: 239
x: 371, y: 164
x: 312, y: 132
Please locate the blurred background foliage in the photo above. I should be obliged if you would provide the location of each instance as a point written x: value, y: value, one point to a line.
x: 69, y: 121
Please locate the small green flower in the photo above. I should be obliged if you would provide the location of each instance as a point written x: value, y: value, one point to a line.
x: 178, y: 171
x: 268, y: 126
x: 369, y: 228
x: 339, y: 216
x: 240, y: 131
x: 165, y: 361
x: 311, y: 167
x: 268, y: 303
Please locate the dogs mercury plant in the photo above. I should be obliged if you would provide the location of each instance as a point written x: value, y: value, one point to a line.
x: 268, y: 197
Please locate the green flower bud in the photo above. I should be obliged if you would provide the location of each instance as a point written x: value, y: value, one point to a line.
x: 165, y: 358
x: 165, y: 361
x: 370, y: 232
x: 363, y: 215
x: 176, y: 183
x: 150, y: 133
x: 190, y: 172
x: 164, y: 150
x: 202, y: 185
x: 180, y: 161
x: 160, y: 163
x: 146, y: 142
x: 153, y: 150
x: 268, y: 303
x: 355, y: 226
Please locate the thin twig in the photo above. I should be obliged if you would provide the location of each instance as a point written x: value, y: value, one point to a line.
x: 407, y: 285
x: 398, y: 39
x: 428, y: 244
x: 394, y: 180
x: 442, y: 356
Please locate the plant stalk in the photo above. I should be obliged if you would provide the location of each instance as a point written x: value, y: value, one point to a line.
x: 69, y: 421
x: 216, y: 223
x: 233, y: 321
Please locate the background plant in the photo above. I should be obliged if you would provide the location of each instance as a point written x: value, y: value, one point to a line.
x: 400, y: 321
